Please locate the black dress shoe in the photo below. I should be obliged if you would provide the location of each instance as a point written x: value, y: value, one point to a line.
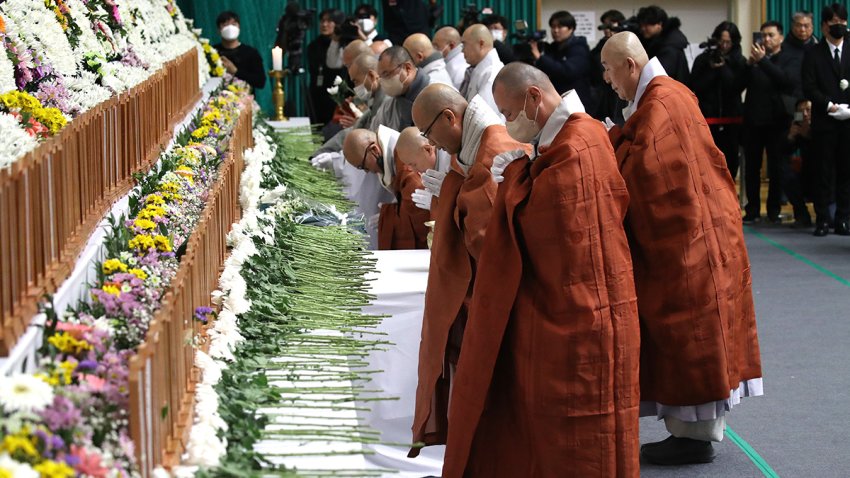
x: 821, y: 230
x: 678, y: 451
x: 751, y: 218
x: 842, y: 228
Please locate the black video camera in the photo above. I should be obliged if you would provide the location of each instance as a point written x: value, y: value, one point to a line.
x: 295, y: 23
x: 470, y: 14
x: 630, y: 25
x: 712, y: 46
x: 525, y: 36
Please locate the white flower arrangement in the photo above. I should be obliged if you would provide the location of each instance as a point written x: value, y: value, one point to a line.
x: 24, y: 392
x: 36, y: 26
x: 7, y: 74
x: 14, y: 142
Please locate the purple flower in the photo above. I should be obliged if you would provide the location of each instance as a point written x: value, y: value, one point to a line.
x: 87, y: 365
x: 61, y: 415
x: 202, y: 314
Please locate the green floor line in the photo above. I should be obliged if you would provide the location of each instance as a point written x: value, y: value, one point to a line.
x: 753, y: 455
x: 797, y: 256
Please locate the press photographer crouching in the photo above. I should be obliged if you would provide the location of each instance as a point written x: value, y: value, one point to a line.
x: 567, y: 59
x: 718, y: 79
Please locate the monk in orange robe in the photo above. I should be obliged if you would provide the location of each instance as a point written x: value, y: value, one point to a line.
x: 699, y: 346
x: 401, y: 224
x: 476, y: 135
x: 547, y: 383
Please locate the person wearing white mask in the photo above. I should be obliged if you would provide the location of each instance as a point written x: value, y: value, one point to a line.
x: 240, y: 60
x: 498, y: 26
x: 427, y: 59
x: 402, y: 81
x: 552, y: 334
x: 447, y: 41
x: 367, y: 23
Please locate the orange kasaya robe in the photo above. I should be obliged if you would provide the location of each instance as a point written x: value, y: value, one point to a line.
x: 402, y: 224
x: 462, y: 215
x: 547, y: 384
x: 692, y: 272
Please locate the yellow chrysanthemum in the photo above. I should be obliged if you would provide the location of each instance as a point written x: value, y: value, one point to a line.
x: 144, y: 224
x: 112, y: 289
x: 51, y: 118
x: 52, y: 380
x: 201, y: 132
x: 141, y: 242
x: 169, y: 187
x: 214, y: 57
x: 67, y: 369
x: 19, y: 100
x: 218, y: 71
x: 67, y: 344
x: 154, y: 200
x: 151, y: 212
x: 162, y: 243
x: 19, y: 444
x: 139, y: 273
x: 5, y: 474
x: 54, y: 469
x: 207, y: 48
x: 112, y: 266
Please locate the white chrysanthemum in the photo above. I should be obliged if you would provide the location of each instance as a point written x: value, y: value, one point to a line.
x: 85, y: 92
x: 16, y: 469
x: 7, y: 74
x: 204, y: 448
x: 36, y: 26
x: 88, y: 41
x: 14, y: 142
x: 23, y: 392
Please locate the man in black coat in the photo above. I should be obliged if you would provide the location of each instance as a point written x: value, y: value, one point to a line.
x: 662, y: 38
x: 608, y: 104
x: 566, y: 61
x: 240, y: 60
x: 826, y: 72
x: 770, y: 79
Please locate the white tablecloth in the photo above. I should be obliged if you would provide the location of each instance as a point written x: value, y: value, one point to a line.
x: 399, y: 287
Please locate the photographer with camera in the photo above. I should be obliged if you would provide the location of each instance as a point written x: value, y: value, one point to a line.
x: 608, y: 104
x: 498, y: 26
x: 718, y: 79
x: 566, y: 61
x: 240, y: 60
x: 662, y: 39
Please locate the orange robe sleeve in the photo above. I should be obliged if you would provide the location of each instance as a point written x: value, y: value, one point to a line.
x: 547, y: 383
x: 402, y: 224
x: 462, y: 216
x: 692, y: 271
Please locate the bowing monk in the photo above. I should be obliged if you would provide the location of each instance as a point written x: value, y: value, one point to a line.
x: 547, y: 384
x: 401, y: 225
x: 699, y: 347
x: 474, y: 133
x: 420, y: 155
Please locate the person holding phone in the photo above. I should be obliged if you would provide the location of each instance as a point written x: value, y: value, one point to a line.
x: 800, y: 180
x: 826, y: 73
x: 769, y: 78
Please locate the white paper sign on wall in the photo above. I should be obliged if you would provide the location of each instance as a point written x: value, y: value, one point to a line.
x: 586, y: 25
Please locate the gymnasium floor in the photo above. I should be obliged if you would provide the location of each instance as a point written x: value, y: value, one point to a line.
x: 801, y: 426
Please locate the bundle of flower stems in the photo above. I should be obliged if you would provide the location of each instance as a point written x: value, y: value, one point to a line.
x: 299, y: 378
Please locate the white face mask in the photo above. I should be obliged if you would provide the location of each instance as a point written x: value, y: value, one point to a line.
x: 522, y: 128
x: 230, y: 32
x: 498, y: 35
x: 367, y: 25
x: 393, y: 86
x: 362, y: 93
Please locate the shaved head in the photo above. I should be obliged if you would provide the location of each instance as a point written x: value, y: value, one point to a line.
x: 434, y: 102
x: 623, y: 60
x: 445, y: 36
x: 415, y: 151
x: 353, y: 50
x: 477, y: 42
x: 364, y: 69
x: 378, y: 47
x: 355, y: 147
x: 520, y: 87
x: 419, y: 46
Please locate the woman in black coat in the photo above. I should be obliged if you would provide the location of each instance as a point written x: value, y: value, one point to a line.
x: 324, y: 57
x: 718, y: 78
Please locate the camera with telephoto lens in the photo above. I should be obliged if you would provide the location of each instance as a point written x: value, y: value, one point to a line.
x: 712, y: 46
x: 630, y: 25
x: 296, y: 21
x: 525, y: 36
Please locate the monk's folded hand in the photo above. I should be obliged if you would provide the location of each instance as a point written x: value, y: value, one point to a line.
x: 842, y: 113
x: 433, y: 181
x: 608, y: 124
x: 324, y: 161
x: 373, y: 220
x: 422, y: 199
x: 501, y: 161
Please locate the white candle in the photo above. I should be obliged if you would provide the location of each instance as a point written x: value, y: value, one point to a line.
x: 277, y: 59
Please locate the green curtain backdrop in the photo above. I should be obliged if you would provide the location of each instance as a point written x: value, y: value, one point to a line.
x: 259, y: 24
x: 781, y: 10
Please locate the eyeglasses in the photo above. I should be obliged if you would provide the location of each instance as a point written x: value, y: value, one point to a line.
x: 427, y: 131
x: 388, y: 73
x: 362, y: 166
